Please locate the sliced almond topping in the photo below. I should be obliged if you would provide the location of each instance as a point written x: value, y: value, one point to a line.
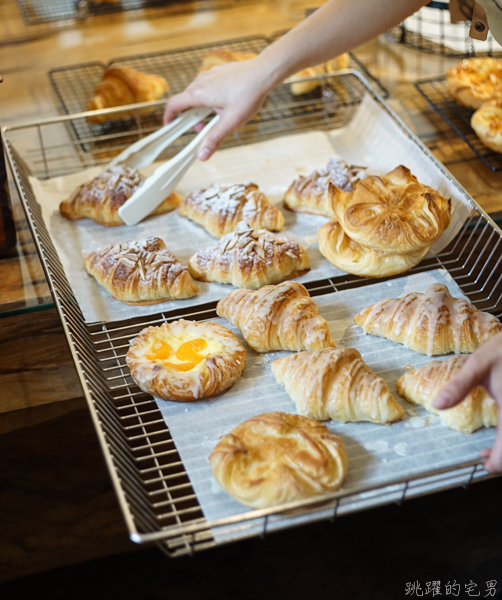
x: 141, y: 270
x: 231, y: 244
x: 290, y: 253
x: 128, y: 263
x: 259, y: 250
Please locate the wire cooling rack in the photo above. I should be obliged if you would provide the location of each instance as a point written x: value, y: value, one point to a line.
x: 152, y: 485
x: 458, y: 118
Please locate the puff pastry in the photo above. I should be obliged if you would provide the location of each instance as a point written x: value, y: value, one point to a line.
x: 421, y: 386
x: 140, y: 272
x: 350, y: 256
x: 303, y: 87
x: 276, y: 317
x: 186, y: 360
x: 120, y: 86
x: 487, y: 123
x: 275, y: 458
x: 475, y: 81
x: 220, y: 207
x: 431, y: 323
x: 101, y: 198
x: 335, y: 383
x: 311, y: 194
x: 250, y: 258
x: 394, y: 213
x: 222, y: 56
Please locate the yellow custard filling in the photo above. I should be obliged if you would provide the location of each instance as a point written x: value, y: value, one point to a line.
x: 182, y: 354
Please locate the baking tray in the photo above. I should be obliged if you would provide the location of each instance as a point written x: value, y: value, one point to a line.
x: 458, y: 118
x: 151, y: 482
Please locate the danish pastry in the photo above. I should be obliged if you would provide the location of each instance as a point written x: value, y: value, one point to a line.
x: 487, y: 123
x: 394, y: 213
x: 101, y: 198
x: 276, y: 457
x: 299, y: 87
x: 311, y: 194
x: 222, y: 56
x: 431, y: 323
x: 475, y: 81
x: 186, y: 360
x: 335, y: 383
x: 220, y: 207
x: 142, y: 272
x: 421, y: 386
x: 349, y: 256
x: 277, y: 317
x: 250, y: 258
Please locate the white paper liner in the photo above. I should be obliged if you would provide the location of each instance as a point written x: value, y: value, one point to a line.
x: 377, y: 453
x: 372, y: 139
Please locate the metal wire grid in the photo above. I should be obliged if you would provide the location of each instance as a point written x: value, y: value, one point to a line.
x: 458, y: 118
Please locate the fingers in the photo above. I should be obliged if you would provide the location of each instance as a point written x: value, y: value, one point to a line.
x: 179, y: 103
x: 215, y: 137
x: 493, y: 459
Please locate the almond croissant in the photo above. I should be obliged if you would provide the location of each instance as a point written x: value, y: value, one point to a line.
x: 335, y: 383
x: 276, y: 317
x: 431, y: 323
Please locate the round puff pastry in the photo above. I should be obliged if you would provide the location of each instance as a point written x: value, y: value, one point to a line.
x: 220, y: 207
x: 222, y: 56
x: 276, y: 457
x: 101, y: 198
x: 186, y: 360
x: 394, y: 213
x: 487, y: 123
x: 475, y: 81
x: 352, y: 257
x: 249, y: 258
x: 140, y: 272
x: 422, y: 385
x: 303, y: 87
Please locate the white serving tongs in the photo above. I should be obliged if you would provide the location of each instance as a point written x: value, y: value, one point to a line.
x: 143, y: 152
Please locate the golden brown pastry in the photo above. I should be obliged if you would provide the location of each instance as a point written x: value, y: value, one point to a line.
x: 140, y: 272
x: 120, y: 86
x: 335, y: 383
x: 303, y: 87
x: 475, y: 81
x: 431, y: 323
x: 101, y: 198
x: 220, y: 207
x: 487, y: 123
x: 276, y: 317
x: 311, y: 194
x: 352, y: 257
x: 249, y: 258
x: 421, y: 386
x: 275, y: 458
x: 222, y: 56
x: 186, y: 360
x: 394, y: 213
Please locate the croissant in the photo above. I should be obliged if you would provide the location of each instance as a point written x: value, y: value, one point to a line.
x: 303, y: 87
x: 250, y: 258
x: 421, y: 386
x: 101, y: 198
x: 276, y: 317
x: 222, y: 56
x: 431, y: 323
x: 335, y: 383
x: 394, y: 213
x: 120, y: 86
x: 312, y: 195
x: 142, y: 272
x: 220, y: 207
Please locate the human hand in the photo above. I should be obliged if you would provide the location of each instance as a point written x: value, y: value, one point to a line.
x: 484, y: 367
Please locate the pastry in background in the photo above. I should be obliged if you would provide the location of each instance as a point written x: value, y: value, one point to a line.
x: 311, y: 194
x: 222, y: 56
x: 140, y: 272
x: 299, y: 87
x: 431, y: 323
x: 120, y: 86
x: 186, y: 360
x: 220, y: 207
x: 276, y: 317
x: 250, y: 258
x: 335, y: 383
x: 101, y: 198
x: 475, y: 81
x: 487, y: 123
x: 422, y: 385
x: 276, y: 457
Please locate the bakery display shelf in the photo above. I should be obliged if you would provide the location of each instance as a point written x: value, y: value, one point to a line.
x: 152, y: 485
x: 458, y: 118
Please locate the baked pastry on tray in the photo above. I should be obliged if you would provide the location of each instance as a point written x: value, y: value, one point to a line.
x: 101, y: 198
x: 335, y: 383
x: 299, y: 87
x: 431, y: 323
x: 487, y: 123
x: 186, y: 360
x: 276, y: 457
x: 140, y: 272
x: 220, y: 207
x: 222, y: 56
x: 276, y: 317
x: 475, y: 81
x: 250, y: 258
x: 421, y: 386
